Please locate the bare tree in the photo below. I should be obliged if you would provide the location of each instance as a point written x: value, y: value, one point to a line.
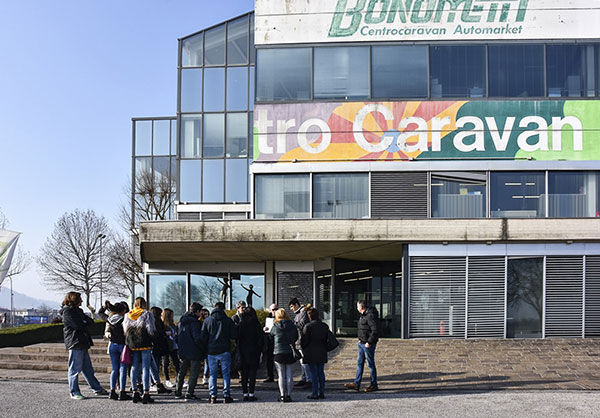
x: 20, y: 262
x: 3, y: 220
x: 70, y: 257
x: 124, y: 266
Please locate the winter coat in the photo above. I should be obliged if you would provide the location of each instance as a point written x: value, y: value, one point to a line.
x: 217, y: 332
x: 368, y: 326
x: 314, y: 342
x: 160, y: 345
x: 139, y: 326
x: 189, y: 338
x: 300, y: 320
x: 250, y: 342
x: 284, y: 334
x: 75, y: 328
x: 114, y: 329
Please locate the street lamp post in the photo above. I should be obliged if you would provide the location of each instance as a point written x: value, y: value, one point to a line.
x: 101, y: 237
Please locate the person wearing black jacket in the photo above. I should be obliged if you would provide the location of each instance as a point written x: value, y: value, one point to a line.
x: 191, y: 350
x: 77, y: 342
x: 250, y: 342
x: 368, y: 335
x: 314, y: 350
x: 113, y: 331
x: 217, y: 332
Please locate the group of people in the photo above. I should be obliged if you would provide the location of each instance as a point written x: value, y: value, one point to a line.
x: 141, y: 340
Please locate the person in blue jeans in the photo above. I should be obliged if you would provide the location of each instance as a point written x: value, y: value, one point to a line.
x: 314, y: 350
x: 217, y: 332
x: 77, y: 342
x: 368, y: 335
x: 115, y: 334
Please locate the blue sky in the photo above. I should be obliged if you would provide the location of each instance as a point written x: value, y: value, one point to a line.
x: 72, y: 75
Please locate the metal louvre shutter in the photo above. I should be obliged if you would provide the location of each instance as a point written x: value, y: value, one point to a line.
x: 486, y: 300
x: 592, y: 296
x: 398, y: 195
x: 564, y: 296
x: 437, y: 297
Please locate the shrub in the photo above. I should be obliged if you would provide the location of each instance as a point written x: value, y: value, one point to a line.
x: 40, y: 333
x: 260, y: 313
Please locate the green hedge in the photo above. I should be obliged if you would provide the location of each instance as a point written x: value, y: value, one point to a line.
x: 40, y: 333
x: 262, y: 315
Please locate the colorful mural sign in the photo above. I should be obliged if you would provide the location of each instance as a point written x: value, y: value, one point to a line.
x: 428, y: 130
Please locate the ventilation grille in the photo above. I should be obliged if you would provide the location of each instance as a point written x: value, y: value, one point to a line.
x: 188, y: 216
x: 564, y: 296
x: 437, y: 297
x: 398, y: 195
x: 592, y: 296
x: 486, y: 297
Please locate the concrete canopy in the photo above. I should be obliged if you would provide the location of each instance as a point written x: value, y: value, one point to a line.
x: 363, y: 239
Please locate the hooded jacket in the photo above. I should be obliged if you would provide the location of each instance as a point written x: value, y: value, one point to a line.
x: 75, y: 328
x: 314, y: 342
x: 217, y: 332
x: 368, y: 326
x: 284, y: 334
x: 139, y: 326
x: 114, y: 329
x: 189, y: 338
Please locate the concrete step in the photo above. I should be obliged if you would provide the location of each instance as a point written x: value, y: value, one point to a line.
x: 53, y: 366
x: 60, y: 348
x: 16, y: 355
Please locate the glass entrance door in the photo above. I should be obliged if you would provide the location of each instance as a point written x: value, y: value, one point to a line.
x: 524, y: 297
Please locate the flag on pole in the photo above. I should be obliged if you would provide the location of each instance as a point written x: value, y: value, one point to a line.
x: 8, y: 243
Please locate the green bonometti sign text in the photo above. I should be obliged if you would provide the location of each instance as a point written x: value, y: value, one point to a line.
x: 427, y: 17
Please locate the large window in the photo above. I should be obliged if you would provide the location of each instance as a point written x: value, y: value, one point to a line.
x: 516, y: 70
x: 237, y: 88
x: 236, y: 176
x: 168, y: 291
x: 214, y: 89
x: 567, y: 67
x: 341, y: 73
x: 214, y: 46
x: 343, y: 196
x: 572, y: 194
x: 214, y: 135
x: 399, y: 71
x: 212, y: 181
x: 282, y: 196
x: 192, y: 51
x: 237, y: 41
x: 524, y: 297
x: 208, y: 289
x: 517, y: 195
x: 284, y: 74
x: 191, y: 90
x: 458, y: 195
x: 191, y: 136
x: 190, y: 173
x: 250, y: 289
x: 457, y: 71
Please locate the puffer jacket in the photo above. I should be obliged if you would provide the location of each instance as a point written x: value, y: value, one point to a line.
x: 284, y: 334
x: 189, y: 338
x: 139, y: 326
x: 314, y: 342
x: 75, y: 328
x: 368, y: 326
x: 217, y: 332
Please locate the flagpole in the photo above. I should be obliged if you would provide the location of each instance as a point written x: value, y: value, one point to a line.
x: 12, y: 308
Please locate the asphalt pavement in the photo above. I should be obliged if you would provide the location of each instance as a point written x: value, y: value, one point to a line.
x: 44, y: 399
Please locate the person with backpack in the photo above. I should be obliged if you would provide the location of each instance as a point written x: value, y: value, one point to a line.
x: 300, y: 320
x: 284, y: 334
x: 140, y: 326
x: 113, y: 331
x: 368, y: 335
x: 171, y: 331
x: 217, y: 332
x: 77, y: 342
x: 250, y: 344
x: 314, y: 350
x: 191, y: 350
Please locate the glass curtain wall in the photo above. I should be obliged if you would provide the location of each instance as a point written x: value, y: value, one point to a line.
x: 208, y: 289
x: 458, y: 195
x: 216, y: 97
x: 168, y: 291
x: 250, y: 289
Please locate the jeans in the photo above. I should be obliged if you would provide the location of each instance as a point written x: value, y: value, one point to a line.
x: 80, y: 362
x: 317, y: 371
x: 141, y: 358
x: 369, y: 354
x: 119, y: 370
x: 213, y: 365
x: 248, y: 378
x: 285, y: 376
x: 194, y: 367
x: 306, y: 376
x: 175, y: 358
x: 154, y: 370
x: 206, y: 369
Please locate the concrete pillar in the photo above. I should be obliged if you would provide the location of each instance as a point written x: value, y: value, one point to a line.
x: 269, y: 283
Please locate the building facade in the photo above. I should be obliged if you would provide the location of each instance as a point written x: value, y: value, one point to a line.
x: 440, y: 159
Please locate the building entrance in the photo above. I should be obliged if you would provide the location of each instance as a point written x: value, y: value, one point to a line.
x: 379, y: 283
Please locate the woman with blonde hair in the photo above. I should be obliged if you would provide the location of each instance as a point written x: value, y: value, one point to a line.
x: 284, y: 334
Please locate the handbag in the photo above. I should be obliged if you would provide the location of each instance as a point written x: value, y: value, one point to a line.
x: 296, y: 353
x: 332, y: 342
x: 126, y: 355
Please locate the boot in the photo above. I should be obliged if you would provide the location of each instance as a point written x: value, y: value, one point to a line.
x: 123, y: 396
x: 160, y: 388
x: 136, y: 397
x: 147, y: 399
x: 113, y: 395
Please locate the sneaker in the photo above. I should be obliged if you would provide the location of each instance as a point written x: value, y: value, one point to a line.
x: 160, y: 388
x: 246, y: 398
x: 212, y: 400
x: 185, y: 385
x: 123, y: 396
x: 137, y: 397
x: 153, y: 388
x: 371, y: 388
x: 204, y: 381
x: 228, y: 399
x: 101, y: 392
x: 77, y: 396
x: 169, y: 384
x: 113, y: 395
x: 352, y: 386
x: 147, y: 399
x: 190, y: 397
x: 252, y: 398
x: 281, y: 399
x: 287, y: 398
x: 178, y: 395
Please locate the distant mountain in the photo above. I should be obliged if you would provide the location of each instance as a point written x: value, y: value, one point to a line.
x: 23, y: 301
